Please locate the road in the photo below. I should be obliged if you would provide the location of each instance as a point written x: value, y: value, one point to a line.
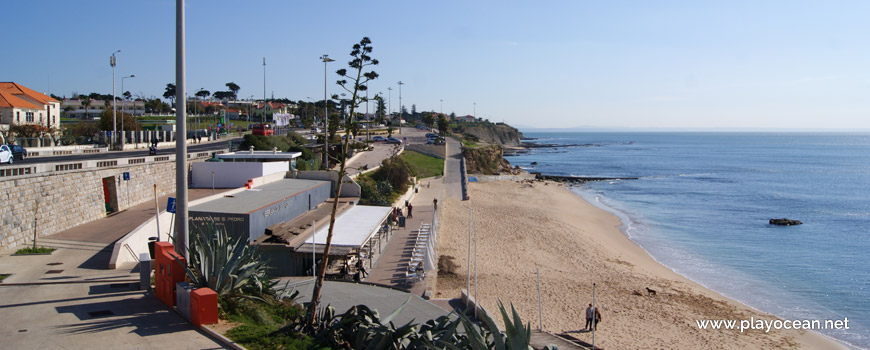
x: 142, y: 152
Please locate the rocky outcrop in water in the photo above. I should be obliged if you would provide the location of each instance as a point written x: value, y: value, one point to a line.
x: 785, y: 222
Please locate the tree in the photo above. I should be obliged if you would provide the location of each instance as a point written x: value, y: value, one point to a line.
x: 223, y: 95
x: 169, y: 94
x: 381, y: 109
x: 86, y: 102
x: 127, y: 95
x: 360, y: 60
x: 413, y: 109
x: 203, y: 94
x: 442, y: 125
x: 234, y: 88
x: 429, y: 119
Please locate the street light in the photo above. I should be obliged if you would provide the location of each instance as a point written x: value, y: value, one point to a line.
x: 389, y: 101
x: 325, y: 58
x: 442, y: 107
x: 114, y: 117
x: 125, y: 107
x: 400, y: 106
x: 196, y: 106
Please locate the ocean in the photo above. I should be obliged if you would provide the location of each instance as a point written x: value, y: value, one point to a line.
x: 702, y: 203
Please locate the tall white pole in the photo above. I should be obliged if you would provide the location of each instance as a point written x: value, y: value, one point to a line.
x: 474, y: 227
x: 389, y: 101
x: 263, y: 118
x: 594, y: 311
x: 401, y: 111
x: 124, y: 109
x: 114, y: 117
x: 468, y: 274
x: 313, y: 245
x: 325, y: 164
x: 181, y: 227
x: 540, y: 305
x: 157, y: 207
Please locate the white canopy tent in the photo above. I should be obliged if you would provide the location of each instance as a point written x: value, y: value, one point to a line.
x: 353, y: 229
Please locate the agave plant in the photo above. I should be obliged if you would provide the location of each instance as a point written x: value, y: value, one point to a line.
x: 227, y: 265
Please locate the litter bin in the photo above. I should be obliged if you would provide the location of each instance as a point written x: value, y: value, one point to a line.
x: 151, y: 241
x: 401, y: 221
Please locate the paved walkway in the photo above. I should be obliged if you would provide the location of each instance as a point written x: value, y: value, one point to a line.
x: 66, y: 301
x: 393, y: 263
x: 453, y: 176
x: 370, y: 159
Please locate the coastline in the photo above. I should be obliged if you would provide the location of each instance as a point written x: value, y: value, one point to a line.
x: 522, y: 227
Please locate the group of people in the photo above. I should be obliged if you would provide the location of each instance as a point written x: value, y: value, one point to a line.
x: 592, y: 318
x: 360, y: 273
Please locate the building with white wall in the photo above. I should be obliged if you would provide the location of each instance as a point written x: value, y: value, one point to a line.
x: 20, y: 105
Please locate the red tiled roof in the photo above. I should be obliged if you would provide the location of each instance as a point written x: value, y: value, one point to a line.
x: 8, y: 100
x: 16, y: 89
x: 273, y: 105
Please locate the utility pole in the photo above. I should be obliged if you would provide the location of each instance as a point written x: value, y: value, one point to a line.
x: 181, y: 232
x: 400, y: 106
x: 263, y: 118
x: 325, y: 58
x: 114, y: 109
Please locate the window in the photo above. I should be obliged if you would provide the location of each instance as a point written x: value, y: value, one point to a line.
x: 17, y: 117
x: 28, y: 117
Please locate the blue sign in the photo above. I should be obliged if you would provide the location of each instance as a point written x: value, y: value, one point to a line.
x: 126, y: 176
x: 170, y: 205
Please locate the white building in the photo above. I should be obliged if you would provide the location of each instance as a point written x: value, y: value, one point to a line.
x: 21, y: 105
x: 76, y: 108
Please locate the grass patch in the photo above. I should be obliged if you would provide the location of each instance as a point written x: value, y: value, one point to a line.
x: 423, y: 166
x: 260, y: 320
x: 37, y: 250
x: 469, y: 144
x: 3, y: 276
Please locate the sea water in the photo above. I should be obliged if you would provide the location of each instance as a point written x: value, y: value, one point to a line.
x: 702, y: 202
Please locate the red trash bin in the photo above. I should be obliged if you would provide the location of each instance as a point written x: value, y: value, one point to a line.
x: 203, y: 307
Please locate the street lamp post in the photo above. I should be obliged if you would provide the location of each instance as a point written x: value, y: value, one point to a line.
x: 389, y: 101
x: 114, y: 109
x: 325, y: 58
x: 400, y: 106
x: 263, y: 117
x: 442, y: 108
x: 123, y: 110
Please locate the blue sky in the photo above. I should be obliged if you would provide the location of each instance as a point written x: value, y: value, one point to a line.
x: 624, y: 64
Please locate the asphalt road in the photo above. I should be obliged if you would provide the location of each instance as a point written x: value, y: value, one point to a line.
x: 142, y: 152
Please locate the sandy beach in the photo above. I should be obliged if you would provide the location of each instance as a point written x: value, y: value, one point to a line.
x: 522, y: 227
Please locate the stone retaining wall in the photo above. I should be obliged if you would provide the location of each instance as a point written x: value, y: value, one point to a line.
x: 57, y: 201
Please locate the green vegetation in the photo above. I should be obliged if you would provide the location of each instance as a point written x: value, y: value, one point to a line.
x: 384, y: 185
x: 261, y: 320
x: 3, y: 276
x: 32, y: 250
x: 469, y: 144
x: 227, y: 265
x: 423, y: 166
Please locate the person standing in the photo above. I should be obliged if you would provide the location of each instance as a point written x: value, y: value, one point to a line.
x: 434, y: 204
x: 410, y: 211
x: 597, y: 319
x: 590, y: 313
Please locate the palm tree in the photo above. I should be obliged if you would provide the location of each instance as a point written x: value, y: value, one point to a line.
x: 86, y: 102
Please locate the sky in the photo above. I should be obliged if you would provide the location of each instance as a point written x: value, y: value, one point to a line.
x: 712, y: 65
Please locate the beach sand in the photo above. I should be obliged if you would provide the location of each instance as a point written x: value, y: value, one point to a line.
x: 522, y: 227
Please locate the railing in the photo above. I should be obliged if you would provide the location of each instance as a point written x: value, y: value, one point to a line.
x: 13, y: 171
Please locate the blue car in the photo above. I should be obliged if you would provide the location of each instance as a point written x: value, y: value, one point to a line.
x: 394, y: 140
x: 378, y: 138
x: 18, y: 152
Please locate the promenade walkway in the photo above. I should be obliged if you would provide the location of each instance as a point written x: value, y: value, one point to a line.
x: 452, y: 173
x: 390, y: 268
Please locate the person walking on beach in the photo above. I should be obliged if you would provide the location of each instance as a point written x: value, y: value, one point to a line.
x: 590, y: 313
x: 434, y: 204
x: 410, y: 210
x: 597, y: 319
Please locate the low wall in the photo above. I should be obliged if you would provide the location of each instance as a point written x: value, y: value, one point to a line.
x: 349, y: 187
x: 233, y: 174
x: 52, y: 202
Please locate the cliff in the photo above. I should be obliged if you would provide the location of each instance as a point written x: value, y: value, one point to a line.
x: 488, y: 161
x: 494, y: 134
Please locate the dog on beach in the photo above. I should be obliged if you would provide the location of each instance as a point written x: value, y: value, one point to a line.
x: 650, y: 291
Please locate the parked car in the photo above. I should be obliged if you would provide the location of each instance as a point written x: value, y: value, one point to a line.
x: 5, y: 154
x: 429, y: 134
x: 18, y: 152
x: 379, y: 138
x: 394, y: 140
